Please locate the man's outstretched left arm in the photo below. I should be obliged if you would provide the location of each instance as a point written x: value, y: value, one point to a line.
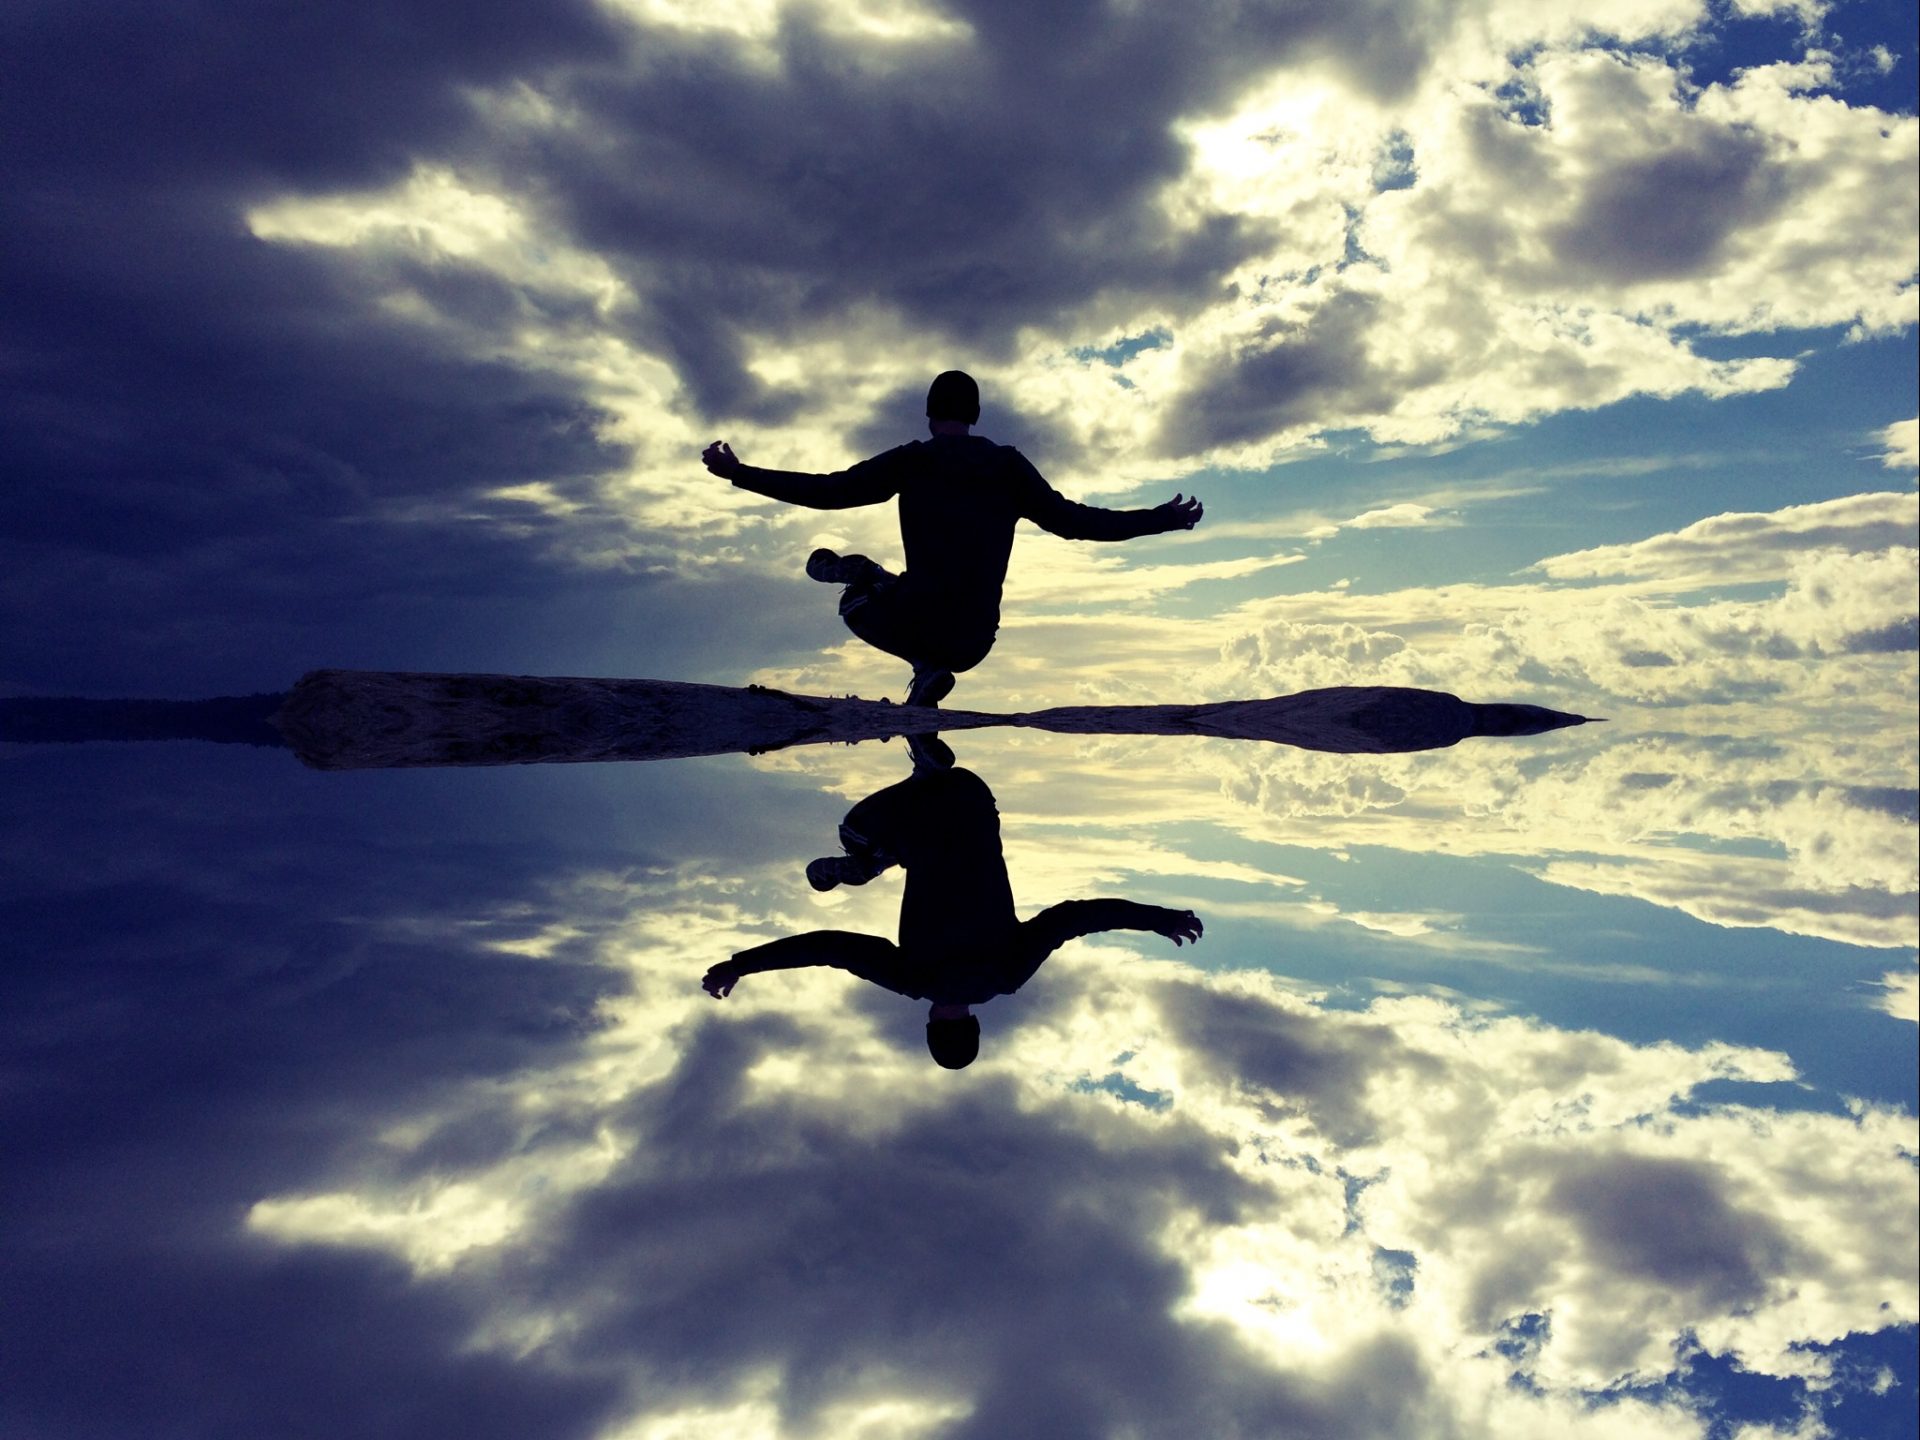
x: 1052, y: 511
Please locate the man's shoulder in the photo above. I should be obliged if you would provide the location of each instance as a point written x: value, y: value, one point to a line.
x: 992, y: 455
x: 964, y: 445
x: 977, y: 465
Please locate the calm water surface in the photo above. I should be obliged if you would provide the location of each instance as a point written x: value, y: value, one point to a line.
x: 1563, y: 1083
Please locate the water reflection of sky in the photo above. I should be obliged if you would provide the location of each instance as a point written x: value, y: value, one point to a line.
x: 397, y: 1093
x: 1562, y: 1084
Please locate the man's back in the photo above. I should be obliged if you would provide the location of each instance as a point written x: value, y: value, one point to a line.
x: 960, y: 498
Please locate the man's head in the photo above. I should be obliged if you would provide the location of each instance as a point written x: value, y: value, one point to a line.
x: 953, y: 1039
x: 954, y: 396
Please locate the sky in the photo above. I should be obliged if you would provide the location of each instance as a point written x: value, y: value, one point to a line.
x: 1559, y: 354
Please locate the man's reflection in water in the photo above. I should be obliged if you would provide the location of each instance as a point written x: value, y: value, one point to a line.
x: 960, y: 942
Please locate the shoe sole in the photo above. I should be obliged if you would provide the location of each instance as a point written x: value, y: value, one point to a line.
x: 831, y: 569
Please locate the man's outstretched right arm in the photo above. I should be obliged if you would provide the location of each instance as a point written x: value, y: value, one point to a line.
x: 867, y: 483
x: 869, y: 956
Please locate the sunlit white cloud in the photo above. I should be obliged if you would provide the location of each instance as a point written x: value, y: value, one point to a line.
x: 1810, y: 12
x: 1429, y: 507
x: 1902, y: 442
x: 1607, y: 632
x: 1738, y: 549
x: 1900, y: 995
x: 1747, y: 894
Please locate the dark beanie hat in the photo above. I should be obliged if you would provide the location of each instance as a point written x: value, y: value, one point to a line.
x: 953, y: 396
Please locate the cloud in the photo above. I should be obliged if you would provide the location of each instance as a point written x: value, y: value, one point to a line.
x: 1902, y: 441
x: 1403, y: 515
x: 1710, y: 791
x: 1550, y: 246
x: 1391, y: 517
x: 1053, y: 572
x: 1643, y: 634
x: 1747, y: 894
x: 1901, y: 997
x: 1744, y: 548
x: 1709, y: 751
x: 1611, y: 654
x: 1810, y: 12
x: 1430, y: 507
x: 1670, y: 820
x: 212, y: 995
x: 1733, y: 829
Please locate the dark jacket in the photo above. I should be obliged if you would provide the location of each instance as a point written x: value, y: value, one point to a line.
x: 960, y: 941
x: 960, y: 498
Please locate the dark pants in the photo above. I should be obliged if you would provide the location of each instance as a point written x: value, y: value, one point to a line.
x: 942, y: 814
x: 890, y: 613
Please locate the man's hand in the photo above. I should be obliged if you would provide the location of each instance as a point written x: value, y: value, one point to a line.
x: 1179, y: 926
x: 720, y: 459
x: 720, y: 980
x: 1180, y: 513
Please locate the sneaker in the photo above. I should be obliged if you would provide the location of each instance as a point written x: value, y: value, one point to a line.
x: 831, y: 568
x: 831, y: 870
x: 929, y: 752
x: 930, y: 686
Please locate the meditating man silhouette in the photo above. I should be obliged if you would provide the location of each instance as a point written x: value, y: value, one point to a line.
x: 960, y: 497
x: 960, y: 942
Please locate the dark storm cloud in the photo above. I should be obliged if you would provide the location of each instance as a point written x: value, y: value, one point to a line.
x: 901, y: 416
x: 204, y: 1002
x: 1671, y: 214
x: 986, y: 1251
x: 1302, y: 1065
x: 1891, y: 639
x: 225, y: 977
x: 199, y: 383
x: 1289, y: 374
x: 253, y: 613
x: 977, y: 187
x: 100, y: 97
x: 204, y: 437
x: 209, y: 441
x: 308, y: 1347
x: 1671, y: 1222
